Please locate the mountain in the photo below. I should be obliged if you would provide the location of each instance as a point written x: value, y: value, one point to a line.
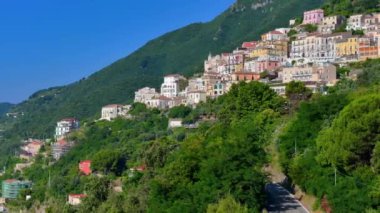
x: 181, y: 51
x: 4, y: 108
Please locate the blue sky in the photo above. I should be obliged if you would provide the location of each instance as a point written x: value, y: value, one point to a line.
x: 46, y: 43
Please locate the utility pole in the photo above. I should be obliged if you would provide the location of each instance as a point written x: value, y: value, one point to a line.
x: 49, y: 180
x: 295, y: 147
x: 335, y: 176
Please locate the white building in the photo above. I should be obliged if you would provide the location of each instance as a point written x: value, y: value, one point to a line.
x: 355, y: 22
x: 76, y: 199
x: 196, y: 84
x: 170, y: 87
x: 144, y: 94
x: 113, y: 111
x: 160, y: 102
x: 175, y: 123
x: 316, y: 48
x: 66, y: 126
x: 196, y: 97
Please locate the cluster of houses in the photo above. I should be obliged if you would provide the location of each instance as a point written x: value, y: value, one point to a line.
x: 281, y: 56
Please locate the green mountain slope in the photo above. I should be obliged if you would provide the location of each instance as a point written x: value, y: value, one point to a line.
x: 4, y: 108
x: 181, y: 51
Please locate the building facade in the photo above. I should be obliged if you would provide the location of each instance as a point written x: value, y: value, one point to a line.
x: 144, y: 94
x: 330, y: 23
x: 66, y: 126
x: 313, y: 16
x: 171, y: 86
x: 324, y: 73
x: 60, y: 148
x: 114, y: 111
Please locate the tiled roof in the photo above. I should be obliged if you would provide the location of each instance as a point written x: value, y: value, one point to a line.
x: 77, y: 195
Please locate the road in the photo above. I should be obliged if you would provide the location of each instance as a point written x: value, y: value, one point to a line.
x: 280, y: 200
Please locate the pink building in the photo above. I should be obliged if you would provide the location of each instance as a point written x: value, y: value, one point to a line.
x: 32, y: 147
x: 313, y: 16
x: 267, y: 65
x: 85, y: 167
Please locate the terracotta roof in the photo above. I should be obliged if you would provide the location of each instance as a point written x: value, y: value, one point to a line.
x: 10, y: 180
x: 276, y: 32
x: 86, y: 161
x: 77, y: 195
x: 62, y: 142
x: 69, y: 119
x: 36, y: 143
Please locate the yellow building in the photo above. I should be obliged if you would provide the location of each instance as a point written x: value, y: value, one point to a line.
x: 347, y: 47
x: 273, y: 48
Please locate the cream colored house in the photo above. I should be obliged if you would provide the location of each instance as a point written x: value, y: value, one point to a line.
x: 113, y: 111
x: 324, y: 73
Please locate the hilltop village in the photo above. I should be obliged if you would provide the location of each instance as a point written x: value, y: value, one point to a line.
x: 311, y: 51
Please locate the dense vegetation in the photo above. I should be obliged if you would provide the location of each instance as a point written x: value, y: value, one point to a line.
x: 181, y: 51
x: 338, y: 133
x: 4, y: 108
x: 186, y: 170
x: 350, y: 7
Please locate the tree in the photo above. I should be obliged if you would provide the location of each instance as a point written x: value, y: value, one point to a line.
x: 351, y: 140
x: 296, y: 91
x: 227, y: 205
x: 311, y: 28
x: 109, y: 161
x: 179, y: 112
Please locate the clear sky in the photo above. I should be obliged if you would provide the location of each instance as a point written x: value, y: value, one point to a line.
x: 45, y: 43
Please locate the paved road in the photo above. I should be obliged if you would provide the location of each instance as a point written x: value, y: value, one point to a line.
x: 280, y: 200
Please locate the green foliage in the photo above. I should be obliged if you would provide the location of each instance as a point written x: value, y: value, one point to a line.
x: 371, y: 74
x: 179, y: 112
x: 297, y: 91
x: 349, y: 7
x: 310, y: 28
x: 227, y: 205
x: 225, y: 159
x: 338, y: 131
x: 97, y: 190
x: 109, y: 161
x: 246, y: 98
x: 358, y: 32
x: 351, y: 140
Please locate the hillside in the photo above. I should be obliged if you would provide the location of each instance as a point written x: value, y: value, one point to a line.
x: 4, y: 108
x: 181, y: 51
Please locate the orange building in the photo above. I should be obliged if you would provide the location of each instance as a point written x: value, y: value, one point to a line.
x: 245, y: 76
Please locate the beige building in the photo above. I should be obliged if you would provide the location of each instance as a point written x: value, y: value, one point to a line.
x: 330, y: 23
x: 76, y: 199
x: 325, y: 73
x: 113, y: 111
x: 144, y: 94
x: 196, y: 97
